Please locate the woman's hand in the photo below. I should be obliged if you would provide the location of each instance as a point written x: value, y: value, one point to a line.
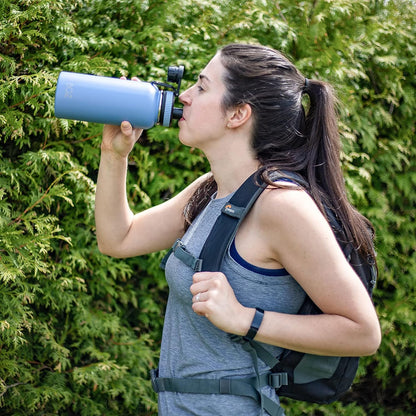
x: 214, y: 298
x: 120, y: 139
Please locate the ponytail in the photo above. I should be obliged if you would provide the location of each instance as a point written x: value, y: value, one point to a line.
x: 323, y: 147
x: 324, y: 174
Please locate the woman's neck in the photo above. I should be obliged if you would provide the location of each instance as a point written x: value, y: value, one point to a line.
x: 230, y: 171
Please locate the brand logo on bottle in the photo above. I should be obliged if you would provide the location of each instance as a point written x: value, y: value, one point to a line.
x: 68, y: 89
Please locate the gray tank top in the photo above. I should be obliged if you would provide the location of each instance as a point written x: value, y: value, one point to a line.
x: 193, y: 347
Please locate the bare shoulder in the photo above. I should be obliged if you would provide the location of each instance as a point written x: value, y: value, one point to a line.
x: 294, y: 228
x: 282, y: 206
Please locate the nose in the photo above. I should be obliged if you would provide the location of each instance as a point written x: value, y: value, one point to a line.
x: 185, y: 97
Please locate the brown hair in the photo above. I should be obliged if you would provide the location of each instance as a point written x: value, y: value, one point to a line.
x: 284, y: 136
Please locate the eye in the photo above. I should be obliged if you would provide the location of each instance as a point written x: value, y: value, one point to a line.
x: 200, y: 89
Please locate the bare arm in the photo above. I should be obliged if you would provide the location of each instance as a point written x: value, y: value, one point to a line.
x: 300, y: 240
x: 307, y: 248
x: 120, y: 233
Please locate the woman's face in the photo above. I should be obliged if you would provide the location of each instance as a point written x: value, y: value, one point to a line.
x: 204, y: 121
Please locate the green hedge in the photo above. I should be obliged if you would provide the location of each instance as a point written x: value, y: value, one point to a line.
x: 79, y: 330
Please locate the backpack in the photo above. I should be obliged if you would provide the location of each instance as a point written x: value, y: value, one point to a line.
x: 299, y: 376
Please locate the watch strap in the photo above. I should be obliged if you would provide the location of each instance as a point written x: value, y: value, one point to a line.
x: 255, y: 324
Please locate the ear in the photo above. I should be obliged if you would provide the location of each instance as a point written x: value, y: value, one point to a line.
x: 239, y: 116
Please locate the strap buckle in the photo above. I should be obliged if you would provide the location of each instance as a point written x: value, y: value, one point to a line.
x: 178, y: 244
x: 154, y: 374
x: 277, y: 380
x: 179, y: 250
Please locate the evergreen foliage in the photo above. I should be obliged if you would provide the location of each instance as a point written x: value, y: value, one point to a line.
x: 79, y: 330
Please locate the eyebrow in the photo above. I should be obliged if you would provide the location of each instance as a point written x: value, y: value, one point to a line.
x: 204, y: 77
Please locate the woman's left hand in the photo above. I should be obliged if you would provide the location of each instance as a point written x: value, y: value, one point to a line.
x: 214, y: 298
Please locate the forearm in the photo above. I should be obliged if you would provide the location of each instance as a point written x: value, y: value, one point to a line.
x: 113, y: 216
x: 322, y: 334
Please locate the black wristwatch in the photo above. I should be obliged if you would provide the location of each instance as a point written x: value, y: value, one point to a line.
x: 255, y: 324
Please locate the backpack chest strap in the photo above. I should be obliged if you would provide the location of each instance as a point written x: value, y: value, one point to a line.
x: 179, y: 251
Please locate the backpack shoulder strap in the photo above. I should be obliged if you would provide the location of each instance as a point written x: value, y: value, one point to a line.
x: 226, y: 225
x: 232, y: 214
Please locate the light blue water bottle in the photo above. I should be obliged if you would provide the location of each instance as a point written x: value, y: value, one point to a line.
x: 111, y: 100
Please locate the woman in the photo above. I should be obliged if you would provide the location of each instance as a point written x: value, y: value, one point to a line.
x: 245, y: 113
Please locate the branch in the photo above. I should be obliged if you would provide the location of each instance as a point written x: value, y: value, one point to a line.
x: 8, y: 387
x: 19, y: 218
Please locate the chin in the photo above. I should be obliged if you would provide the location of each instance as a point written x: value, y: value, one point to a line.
x: 184, y: 141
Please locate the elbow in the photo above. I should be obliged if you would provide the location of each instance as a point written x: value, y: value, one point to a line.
x: 372, y: 341
x: 104, y: 250
x: 107, y: 250
x: 364, y: 339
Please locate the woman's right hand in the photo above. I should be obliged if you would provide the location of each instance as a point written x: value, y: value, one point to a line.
x: 120, y: 139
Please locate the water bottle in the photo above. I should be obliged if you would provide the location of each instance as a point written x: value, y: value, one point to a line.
x: 112, y: 100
